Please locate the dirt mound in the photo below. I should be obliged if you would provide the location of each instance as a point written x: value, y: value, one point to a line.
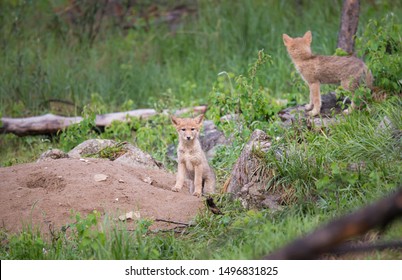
x: 44, y: 193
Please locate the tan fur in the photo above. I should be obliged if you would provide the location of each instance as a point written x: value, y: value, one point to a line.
x: 193, y: 165
x: 315, y: 70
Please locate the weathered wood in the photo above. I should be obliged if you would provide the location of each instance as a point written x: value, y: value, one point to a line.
x: 324, y: 239
x: 349, y: 23
x: 249, y: 177
x: 50, y: 124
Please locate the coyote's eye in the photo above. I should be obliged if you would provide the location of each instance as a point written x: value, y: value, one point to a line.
x: 183, y: 129
x: 192, y: 129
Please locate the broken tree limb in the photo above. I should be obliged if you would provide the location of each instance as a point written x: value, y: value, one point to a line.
x: 171, y: 222
x: 50, y: 124
x: 325, y: 239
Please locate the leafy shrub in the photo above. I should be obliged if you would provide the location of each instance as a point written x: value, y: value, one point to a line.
x: 248, y: 102
x: 154, y: 135
x: 79, y: 132
x: 381, y: 46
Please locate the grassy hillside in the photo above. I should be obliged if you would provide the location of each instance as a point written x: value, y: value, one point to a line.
x: 211, y: 57
x: 42, y: 59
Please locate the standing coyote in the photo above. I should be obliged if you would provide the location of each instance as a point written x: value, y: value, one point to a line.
x: 349, y: 71
x: 193, y: 165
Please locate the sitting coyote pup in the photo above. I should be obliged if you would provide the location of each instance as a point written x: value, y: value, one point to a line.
x: 193, y: 165
x: 349, y: 71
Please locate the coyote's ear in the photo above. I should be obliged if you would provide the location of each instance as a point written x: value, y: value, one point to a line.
x: 308, y: 37
x: 175, y: 120
x: 286, y: 39
x: 198, y: 119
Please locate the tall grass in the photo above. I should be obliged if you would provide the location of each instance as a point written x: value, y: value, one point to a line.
x: 40, y: 60
x: 357, y: 158
x: 330, y: 172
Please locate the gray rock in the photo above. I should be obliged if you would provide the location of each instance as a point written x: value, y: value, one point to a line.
x: 131, y: 155
x: 90, y: 147
x: 135, y: 157
x: 330, y: 107
x: 52, y: 155
x: 211, y: 138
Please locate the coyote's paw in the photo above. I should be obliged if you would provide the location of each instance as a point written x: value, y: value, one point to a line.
x: 175, y: 189
x: 347, y: 111
x: 309, y: 107
x: 197, y: 194
x: 314, y: 113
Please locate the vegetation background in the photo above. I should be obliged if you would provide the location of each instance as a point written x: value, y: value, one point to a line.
x: 173, y: 54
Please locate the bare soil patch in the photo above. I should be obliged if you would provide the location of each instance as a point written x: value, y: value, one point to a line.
x: 43, y: 194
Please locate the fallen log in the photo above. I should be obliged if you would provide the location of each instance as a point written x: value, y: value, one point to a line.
x: 327, y: 238
x: 50, y: 124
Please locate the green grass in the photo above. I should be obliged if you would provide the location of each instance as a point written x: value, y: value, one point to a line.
x: 328, y: 172
x: 43, y: 62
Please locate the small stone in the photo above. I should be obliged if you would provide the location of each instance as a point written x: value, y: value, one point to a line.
x: 100, y: 177
x: 147, y: 180
x: 132, y: 215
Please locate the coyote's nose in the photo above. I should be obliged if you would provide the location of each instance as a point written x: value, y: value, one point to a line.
x: 188, y: 138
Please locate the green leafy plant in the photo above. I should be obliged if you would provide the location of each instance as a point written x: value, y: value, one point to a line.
x: 111, y: 153
x: 380, y: 45
x: 87, y: 231
x: 121, y: 130
x: 29, y: 245
x: 78, y: 132
x: 154, y: 135
x: 244, y: 99
x: 361, y: 96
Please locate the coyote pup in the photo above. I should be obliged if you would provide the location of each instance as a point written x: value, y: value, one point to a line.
x: 349, y: 71
x: 193, y: 165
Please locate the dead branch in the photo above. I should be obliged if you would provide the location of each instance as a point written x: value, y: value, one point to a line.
x: 172, y: 222
x: 324, y: 239
x: 347, y: 249
x: 50, y: 124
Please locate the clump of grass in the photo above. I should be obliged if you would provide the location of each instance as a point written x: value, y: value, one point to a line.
x: 354, y: 159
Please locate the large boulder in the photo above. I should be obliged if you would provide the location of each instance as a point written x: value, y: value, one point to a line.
x: 90, y: 147
x: 127, y: 154
x: 52, y: 154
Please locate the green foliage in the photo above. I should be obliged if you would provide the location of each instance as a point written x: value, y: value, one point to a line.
x: 79, y: 132
x: 340, y: 52
x: 347, y: 161
x: 361, y: 96
x: 111, y: 153
x: 325, y: 174
x: 16, y: 150
x: 251, y: 105
x: 155, y: 135
x: 29, y: 245
x: 381, y: 46
x: 86, y: 231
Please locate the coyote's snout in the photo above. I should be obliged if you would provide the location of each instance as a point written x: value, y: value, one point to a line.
x: 193, y: 165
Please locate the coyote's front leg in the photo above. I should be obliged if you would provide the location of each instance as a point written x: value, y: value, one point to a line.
x: 198, y: 180
x: 180, y: 177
